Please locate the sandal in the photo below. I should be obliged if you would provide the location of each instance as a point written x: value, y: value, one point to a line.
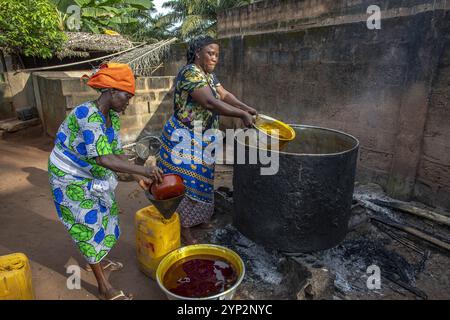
x: 118, y: 296
x: 111, y: 265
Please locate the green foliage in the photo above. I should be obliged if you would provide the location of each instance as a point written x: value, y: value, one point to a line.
x: 99, y: 15
x: 30, y: 27
x: 148, y: 28
x: 197, y: 17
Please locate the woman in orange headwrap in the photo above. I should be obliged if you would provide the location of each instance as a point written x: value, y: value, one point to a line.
x: 82, y: 168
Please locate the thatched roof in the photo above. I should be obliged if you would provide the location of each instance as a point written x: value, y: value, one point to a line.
x: 79, y: 44
x: 146, y: 59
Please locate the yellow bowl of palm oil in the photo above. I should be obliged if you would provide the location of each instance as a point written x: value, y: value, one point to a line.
x: 278, y: 132
x: 200, y: 272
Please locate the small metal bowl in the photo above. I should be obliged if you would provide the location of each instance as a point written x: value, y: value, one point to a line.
x: 201, y: 249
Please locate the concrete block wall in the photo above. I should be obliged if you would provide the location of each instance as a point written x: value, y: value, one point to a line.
x: 290, y: 15
x: 387, y: 87
x: 6, y: 98
x: 60, y: 92
x: 433, y: 174
x: 16, y: 92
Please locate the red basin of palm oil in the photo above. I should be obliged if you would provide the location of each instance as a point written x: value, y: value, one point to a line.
x: 200, y: 276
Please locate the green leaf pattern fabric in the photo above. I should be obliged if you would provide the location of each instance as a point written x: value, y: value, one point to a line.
x: 95, y: 117
x: 83, y: 132
x: 103, y: 147
x: 87, y: 204
x: 114, y: 209
x: 100, y: 255
x: 87, y: 249
x: 105, y: 222
x: 75, y: 192
x: 81, y: 232
x: 53, y: 169
x: 98, y: 171
x: 67, y: 215
x: 115, y: 121
x: 73, y: 124
x: 110, y: 241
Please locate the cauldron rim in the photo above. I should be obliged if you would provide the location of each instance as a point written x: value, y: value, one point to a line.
x: 356, y: 145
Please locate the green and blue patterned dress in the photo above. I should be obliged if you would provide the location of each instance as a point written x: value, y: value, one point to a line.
x: 89, y: 212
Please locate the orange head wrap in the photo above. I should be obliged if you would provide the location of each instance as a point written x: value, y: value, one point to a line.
x: 115, y: 76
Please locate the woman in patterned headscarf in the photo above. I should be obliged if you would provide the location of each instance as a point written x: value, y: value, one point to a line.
x: 82, y: 168
x: 199, y: 98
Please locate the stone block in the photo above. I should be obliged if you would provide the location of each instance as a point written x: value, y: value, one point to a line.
x: 73, y: 86
x: 166, y: 95
x: 74, y: 100
x: 160, y: 82
x: 138, y: 108
x: 165, y: 106
x: 142, y: 83
x: 13, y: 125
x: 436, y: 173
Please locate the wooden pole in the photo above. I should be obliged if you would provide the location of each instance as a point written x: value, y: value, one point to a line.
x: 415, y: 232
x: 423, y: 213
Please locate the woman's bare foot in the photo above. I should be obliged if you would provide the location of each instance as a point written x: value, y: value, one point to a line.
x: 105, y: 289
x: 114, y: 294
x: 107, y: 264
x: 187, y: 237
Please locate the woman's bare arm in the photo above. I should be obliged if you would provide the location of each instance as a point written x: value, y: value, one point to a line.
x: 118, y: 164
x: 231, y: 99
x: 207, y: 100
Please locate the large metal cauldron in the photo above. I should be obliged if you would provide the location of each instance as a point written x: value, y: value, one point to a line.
x: 306, y: 205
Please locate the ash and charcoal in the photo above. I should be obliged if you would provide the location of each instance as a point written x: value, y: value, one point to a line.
x: 400, y: 259
x: 263, y: 277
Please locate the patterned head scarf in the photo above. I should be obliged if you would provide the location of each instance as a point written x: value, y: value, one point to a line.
x: 113, y: 76
x: 198, y: 44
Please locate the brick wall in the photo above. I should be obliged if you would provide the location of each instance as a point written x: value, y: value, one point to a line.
x: 59, y: 92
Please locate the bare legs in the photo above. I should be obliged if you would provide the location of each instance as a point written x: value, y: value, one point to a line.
x: 105, y: 289
x: 187, y: 236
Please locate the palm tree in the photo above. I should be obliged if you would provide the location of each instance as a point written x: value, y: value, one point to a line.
x: 195, y: 17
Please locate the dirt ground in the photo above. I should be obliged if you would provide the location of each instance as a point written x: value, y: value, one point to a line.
x: 29, y: 224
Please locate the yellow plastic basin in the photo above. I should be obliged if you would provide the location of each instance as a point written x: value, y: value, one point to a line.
x: 275, y: 129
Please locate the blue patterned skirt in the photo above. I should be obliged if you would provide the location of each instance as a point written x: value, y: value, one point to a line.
x: 193, y: 164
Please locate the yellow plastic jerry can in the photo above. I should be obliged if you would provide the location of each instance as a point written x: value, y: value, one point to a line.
x: 155, y: 238
x: 15, y: 278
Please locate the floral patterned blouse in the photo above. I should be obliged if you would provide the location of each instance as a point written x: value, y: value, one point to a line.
x: 83, y: 136
x: 187, y: 110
